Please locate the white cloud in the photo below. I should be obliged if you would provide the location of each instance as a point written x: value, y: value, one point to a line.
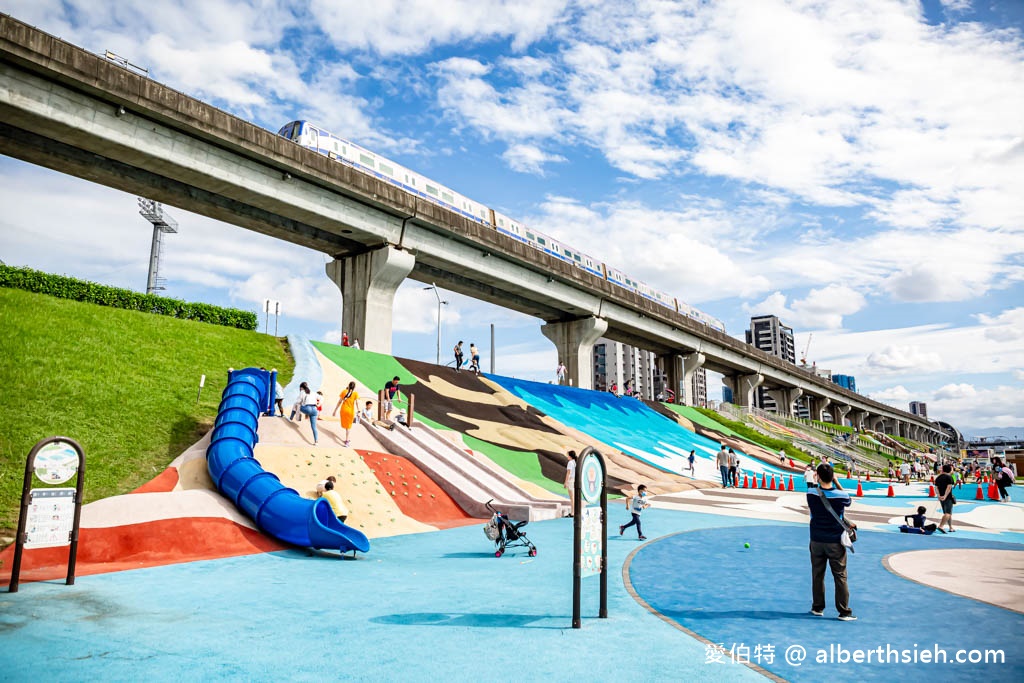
x: 838, y: 104
x: 821, y: 309
x: 896, y: 394
x: 904, y: 358
x: 956, y: 391
x: 404, y: 27
x: 999, y: 406
x: 529, y: 159
x: 1008, y: 326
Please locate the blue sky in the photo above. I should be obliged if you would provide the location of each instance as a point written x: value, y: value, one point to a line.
x: 856, y: 168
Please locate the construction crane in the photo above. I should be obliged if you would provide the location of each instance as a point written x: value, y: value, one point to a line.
x: 803, y: 356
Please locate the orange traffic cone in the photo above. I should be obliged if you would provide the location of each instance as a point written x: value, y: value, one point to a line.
x: 993, y: 492
x: 764, y: 482
x: 979, y: 495
x: 771, y: 486
x: 869, y: 476
x: 860, y: 491
x: 931, y: 491
x: 932, y: 479
x: 745, y: 485
x: 790, y: 487
x: 753, y: 482
x: 891, y: 493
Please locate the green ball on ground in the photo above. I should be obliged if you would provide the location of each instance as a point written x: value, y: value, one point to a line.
x: 746, y: 545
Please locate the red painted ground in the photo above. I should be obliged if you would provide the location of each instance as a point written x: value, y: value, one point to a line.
x: 433, y: 506
x: 161, y: 483
x: 152, y: 544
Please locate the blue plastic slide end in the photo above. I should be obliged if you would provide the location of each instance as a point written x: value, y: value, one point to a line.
x: 275, y: 508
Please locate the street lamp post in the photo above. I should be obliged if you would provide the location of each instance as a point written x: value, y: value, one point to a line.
x: 439, y: 304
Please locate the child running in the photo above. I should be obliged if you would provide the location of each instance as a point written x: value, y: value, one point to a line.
x: 639, y: 503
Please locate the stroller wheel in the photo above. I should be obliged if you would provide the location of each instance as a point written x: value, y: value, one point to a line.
x: 533, y: 552
x: 497, y: 553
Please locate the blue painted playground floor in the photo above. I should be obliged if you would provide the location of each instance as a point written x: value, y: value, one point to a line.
x: 439, y: 604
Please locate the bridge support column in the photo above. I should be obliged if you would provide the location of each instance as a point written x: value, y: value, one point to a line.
x: 785, y: 398
x: 821, y: 404
x: 672, y: 366
x: 368, y: 283
x: 575, y: 343
x: 743, y: 387
x: 839, y: 415
x: 857, y: 418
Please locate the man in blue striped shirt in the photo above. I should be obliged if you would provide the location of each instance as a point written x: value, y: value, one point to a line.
x: 826, y: 547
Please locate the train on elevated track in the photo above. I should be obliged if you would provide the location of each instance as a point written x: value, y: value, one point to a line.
x: 347, y: 152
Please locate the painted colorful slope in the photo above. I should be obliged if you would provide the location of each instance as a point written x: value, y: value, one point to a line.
x: 490, y: 420
x: 624, y: 423
x: 416, y: 494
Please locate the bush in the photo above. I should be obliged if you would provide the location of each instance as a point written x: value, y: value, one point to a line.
x: 115, y: 297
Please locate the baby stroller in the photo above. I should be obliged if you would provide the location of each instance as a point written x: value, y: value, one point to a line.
x: 506, y: 533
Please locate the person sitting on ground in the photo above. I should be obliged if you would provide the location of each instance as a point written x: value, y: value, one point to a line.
x: 322, y: 485
x: 918, y: 523
x: 366, y: 414
x: 337, y: 504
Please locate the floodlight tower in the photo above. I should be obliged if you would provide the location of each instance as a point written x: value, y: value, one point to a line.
x: 154, y: 213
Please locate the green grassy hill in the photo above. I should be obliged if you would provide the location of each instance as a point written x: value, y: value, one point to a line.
x: 121, y: 383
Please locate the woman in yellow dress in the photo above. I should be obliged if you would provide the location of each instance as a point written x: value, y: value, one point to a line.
x: 347, y: 402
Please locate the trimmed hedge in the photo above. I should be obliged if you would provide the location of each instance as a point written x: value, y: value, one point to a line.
x: 115, y: 297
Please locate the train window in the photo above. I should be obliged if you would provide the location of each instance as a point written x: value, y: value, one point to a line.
x: 431, y: 190
x: 541, y: 242
x: 501, y: 222
x: 365, y: 159
x: 384, y: 168
x: 530, y: 236
x: 577, y: 258
x: 447, y: 197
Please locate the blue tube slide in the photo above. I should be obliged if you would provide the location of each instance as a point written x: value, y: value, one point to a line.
x: 276, y: 509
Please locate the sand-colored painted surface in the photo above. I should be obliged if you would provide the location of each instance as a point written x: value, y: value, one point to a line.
x: 371, y: 507
x: 416, y: 494
x: 991, y: 576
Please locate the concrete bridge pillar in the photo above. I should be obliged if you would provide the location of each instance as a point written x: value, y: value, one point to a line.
x: 839, y: 415
x: 820, y: 405
x: 575, y: 343
x: 857, y: 418
x: 368, y: 283
x: 876, y: 423
x: 691, y: 364
x: 743, y: 387
x: 672, y: 366
x: 785, y: 398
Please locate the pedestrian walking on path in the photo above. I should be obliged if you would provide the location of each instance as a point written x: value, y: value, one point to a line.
x: 347, y: 403
x: 458, y: 356
x: 309, y: 402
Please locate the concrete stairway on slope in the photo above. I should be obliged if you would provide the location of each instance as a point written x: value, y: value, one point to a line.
x: 469, y: 482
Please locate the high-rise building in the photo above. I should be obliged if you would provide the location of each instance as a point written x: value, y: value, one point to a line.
x: 625, y: 367
x: 845, y: 381
x: 769, y: 334
x: 726, y: 395
x: 699, y: 388
x: 919, y: 408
